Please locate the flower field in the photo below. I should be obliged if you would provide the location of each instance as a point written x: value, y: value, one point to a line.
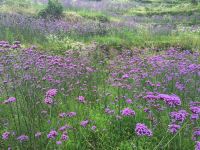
x: 128, y: 79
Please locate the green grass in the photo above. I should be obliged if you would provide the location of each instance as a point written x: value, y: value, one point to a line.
x: 115, y: 38
x: 161, y: 9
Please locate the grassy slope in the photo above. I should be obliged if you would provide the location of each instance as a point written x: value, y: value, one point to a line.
x: 124, y: 38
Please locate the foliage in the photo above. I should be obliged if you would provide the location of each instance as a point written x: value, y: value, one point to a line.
x: 53, y: 10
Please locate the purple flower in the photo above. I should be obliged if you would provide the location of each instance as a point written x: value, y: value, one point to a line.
x: 58, y: 142
x: 142, y: 130
x: 64, y: 137
x: 173, y: 128
x: 129, y: 101
x: 93, y: 128
x: 62, y: 115
x: 181, y: 115
x: 147, y: 110
x: 71, y: 114
x: 171, y: 100
x: 48, y: 100
x: 196, y: 134
x: 197, y: 146
x: 10, y: 100
x: 84, y: 123
x: 81, y: 99
x: 128, y: 112
x: 125, y: 76
x: 52, y: 134
x: 63, y: 128
x: 38, y: 134
x: 194, y: 117
x: 109, y: 111
x: 51, y: 93
x: 23, y: 138
x: 180, y: 86
x: 195, y: 109
x: 5, y: 135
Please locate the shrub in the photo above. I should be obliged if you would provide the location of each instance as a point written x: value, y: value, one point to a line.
x: 53, y: 10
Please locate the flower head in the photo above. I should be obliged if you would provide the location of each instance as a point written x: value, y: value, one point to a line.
x: 48, y: 100
x: 71, y: 114
x: 179, y: 116
x: 173, y: 128
x: 142, y: 130
x: 23, y: 138
x: 51, y: 93
x: 196, y: 134
x: 93, y: 128
x: 129, y: 101
x: 128, y: 112
x: 84, y: 123
x: 52, y: 134
x: 38, y: 134
x: 171, y: 100
x: 5, y: 135
x: 58, y: 142
x: 195, y: 109
x: 10, y: 100
x: 81, y: 99
x: 64, y: 137
x: 197, y: 146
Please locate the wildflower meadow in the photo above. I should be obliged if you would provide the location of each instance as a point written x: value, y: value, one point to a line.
x: 99, y: 75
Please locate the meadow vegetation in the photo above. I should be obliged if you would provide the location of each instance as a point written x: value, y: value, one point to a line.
x: 100, y: 74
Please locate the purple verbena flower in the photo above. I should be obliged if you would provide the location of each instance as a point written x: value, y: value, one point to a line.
x: 23, y: 138
x: 81, y: 99
x: 84, y: 123
x: 194, y: 117
x: 129, y: 101
x: 93, y: 128
x: 173, y: 128
x: 142, y: 130
x: 48, y: 100
x: 128, y: 112
x: 5, y: 135
x: 196, y: 134
x: 171, y: 100
x: 62, y: 115
x: 64, y: 128
x: 58, y: 142
x: 38, y: 134
x: 195, y: 109
x: 10, y: 100
x: 51, y: 93
x: 64, y: 137
x: 71, y: 114
x: 109, y: 111
x: 52, y: 134
x: 197, y: 146
x: 181, y: 115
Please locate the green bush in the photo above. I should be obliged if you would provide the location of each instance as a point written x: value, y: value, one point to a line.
x: 53, y: 10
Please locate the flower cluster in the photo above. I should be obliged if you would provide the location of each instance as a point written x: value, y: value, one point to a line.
x: 84, y: 123
x: 173, y: 128
x: 179, y: 116
x: 128, y: 112
x: 5, y: 135
x: 10, y: 100
x: 197, y: 147
x: 196, y: 134
x: 195, y: 109
x: 23, y: 138
x: 142, y: 130
x: 52, y: 134
x: 171, y: 100
x: 49, y: 96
